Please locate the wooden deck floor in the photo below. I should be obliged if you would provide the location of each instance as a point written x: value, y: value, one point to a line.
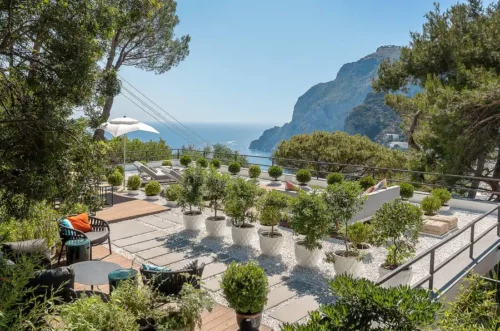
x: 125, y: 208
x: 220, y: 319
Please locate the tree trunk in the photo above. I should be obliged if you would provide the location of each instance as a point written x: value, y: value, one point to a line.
x: 411, y: 141
x: 106, y: 111
x: 477, y: 173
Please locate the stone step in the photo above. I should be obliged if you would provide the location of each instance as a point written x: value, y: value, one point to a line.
x: 278, y: 295
x: 154, y: 252
x: 296, y: 309
x: 167, y: 259
x: 125, y: 229
x: 144, y: 245
x: 137, y: 239
x: 156, y: 221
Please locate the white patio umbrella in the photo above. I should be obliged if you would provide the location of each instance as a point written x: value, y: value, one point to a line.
x: 121, y: 126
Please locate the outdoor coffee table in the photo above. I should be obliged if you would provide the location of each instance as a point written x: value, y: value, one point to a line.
x: 93, y: 272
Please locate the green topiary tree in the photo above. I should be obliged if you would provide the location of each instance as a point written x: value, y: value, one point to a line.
x: 240, y: 197
x: 134, y: 182
x: 173, y: 192
x: 120, y: 169
x: 406, y: 190
x: 234, y: 168
x: 430, y: 205
x: 397, y: 226
x: 442, y: 194
x: 245, y: 287
x: 310, y: 217
x: 359, y: 234
x: 152, y: 188
x: 202, y: 162
x: 166, y: 163
x: 254, y: 171
x: 215, y: 189
x: 275, y: 171
x: 193, y: 180
x: 334, y: 178
x: 366, y: 182
x: 185, y: 160
x: 303, y: 176
x: 216, y: 163
x: 272, y: 208
x: 116, y: 178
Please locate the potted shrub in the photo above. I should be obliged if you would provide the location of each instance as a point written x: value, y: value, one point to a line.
x: 245, y: 289
x: 444, y: 196
x: 303, y: 176
x: 216, y: 163
x: 430, y: 205
x: 193, y: 180
x: 275, y: 172
x: 116, y: 179
x: 359, y: 235
x: 334, y: 178
x: 173, y: 193
x: 144, y: 162
x: 234, y: 168
x: 366, y: 182
x: 240, y: 197
x: 185, y: 160
x: 167, y: 163
x: 271, y: 207
x: 133, y: 185
x: 202, y: 162
x: 397, y: 225
x: 343, y: 201
x: 254, y: 173
x: 120, y: 169
x: 309, y: 218
x: 153, y: 190
x: 215, y: 190
x: 406, y: 191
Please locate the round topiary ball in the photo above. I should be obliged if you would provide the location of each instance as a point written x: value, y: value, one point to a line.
x: 152, y: 188
x: 120, y: 169
x: 166, y: 163
x: 303, y: 176
x: 430, y: 205
x: 234, y: 168
x: 406, y: 190
x: 134, y: 182
x: 334, y: 178
x: 442, y: 194
x: 144, y: 162
x: 366, y: 182
x: 202, y: 162
x: 116, y: 178
x: 275, y: 171
x: 216, y: 163
x: 254, y: 171
x: 173, y: 192
x: 185, y: 160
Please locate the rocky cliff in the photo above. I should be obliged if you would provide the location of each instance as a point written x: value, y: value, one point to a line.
x: 325, y: 106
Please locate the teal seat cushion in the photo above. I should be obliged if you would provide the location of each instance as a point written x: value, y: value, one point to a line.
x: 152, y: 267
x: 65, y: 222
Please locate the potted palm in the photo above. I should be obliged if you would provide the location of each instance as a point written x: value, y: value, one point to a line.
x: 444, y: 196
x: 397, y: 225
x: 271, y: 207
x: 343, y: 201
x: 173, y: 193
x: 133, y: 185
x: 240, y: 197
x: 193, y: 180
x: 309, y: 217
x: 245, y: 289
x: 215, y: 188
x: 152, y: 190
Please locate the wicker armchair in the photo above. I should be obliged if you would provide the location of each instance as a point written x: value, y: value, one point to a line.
x: 170, y: 282
x: 99, y: 234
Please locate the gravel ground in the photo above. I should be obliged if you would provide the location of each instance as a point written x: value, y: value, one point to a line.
x: 314, y: 280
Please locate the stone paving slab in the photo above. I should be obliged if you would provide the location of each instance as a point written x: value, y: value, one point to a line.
x: 154, y: 252
x: 296, y: 309
x: 144, y: 245
x: 212, y: 284
x: 170, y: 217
x: 167, y: 259
x: 276, y: 279
x: 137, y: 239
x: 278, y: 295
x: 127, y: 229
x: 213, y: 269
x: 156, y: 221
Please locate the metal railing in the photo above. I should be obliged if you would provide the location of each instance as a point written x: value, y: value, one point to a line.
x: 431, y: 252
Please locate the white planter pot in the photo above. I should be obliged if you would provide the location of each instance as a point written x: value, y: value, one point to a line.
x: 243, y: 236
x: 306, y: 258
x: 171, y: 204
x: 216, y: 228
x: 347, y: 265
x: 117, y: 188
x: 445, y: 207
x: 152, y: 197
x: 133, y: 192
x: 193, y: 222
x: 271, y: 246
x: 402, y: 278
x: 265, y: 228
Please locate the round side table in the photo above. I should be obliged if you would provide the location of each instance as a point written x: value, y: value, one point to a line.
x: 77, y: 250
x: 115, y: 277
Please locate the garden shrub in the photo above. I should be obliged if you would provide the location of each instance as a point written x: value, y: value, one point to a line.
x: 144, y: 162
x: 272, y: 207
x: 334, y: 178
x: 303, y: 176
x: 430, y: 204
x: 185, y: 160
x: 166, y: 163
x: 216, y: 163
x: 254, y: 171
x: 215, y: 188
x: 120, y: 169
x: 275, y: 171
x: 134, y: 182
x: 173, y: 192
x: 202, y: 162
x: 152, y: 188
x: 240, y: 197
x: 442, y: 194
x: 234, y: 168
x: 116, y: 178
x: 359, y: 233
x: 193, y: 181
x: 406, y: 190
x: 366, y: 182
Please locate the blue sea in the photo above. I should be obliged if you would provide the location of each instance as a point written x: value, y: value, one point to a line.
x: 237, y: 136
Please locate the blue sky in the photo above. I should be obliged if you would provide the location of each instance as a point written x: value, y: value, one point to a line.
x: 250, y: 60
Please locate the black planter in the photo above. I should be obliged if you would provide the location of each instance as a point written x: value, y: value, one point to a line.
x: 249, y: 322
x: 146, y: 324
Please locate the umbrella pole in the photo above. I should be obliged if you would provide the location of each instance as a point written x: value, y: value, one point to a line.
x: 124, y: 147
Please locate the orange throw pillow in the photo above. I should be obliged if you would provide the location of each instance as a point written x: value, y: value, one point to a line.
x: 80, y: 222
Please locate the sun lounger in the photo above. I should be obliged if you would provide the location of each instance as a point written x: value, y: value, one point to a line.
x: 155, y: 175
x: 172, y: 174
